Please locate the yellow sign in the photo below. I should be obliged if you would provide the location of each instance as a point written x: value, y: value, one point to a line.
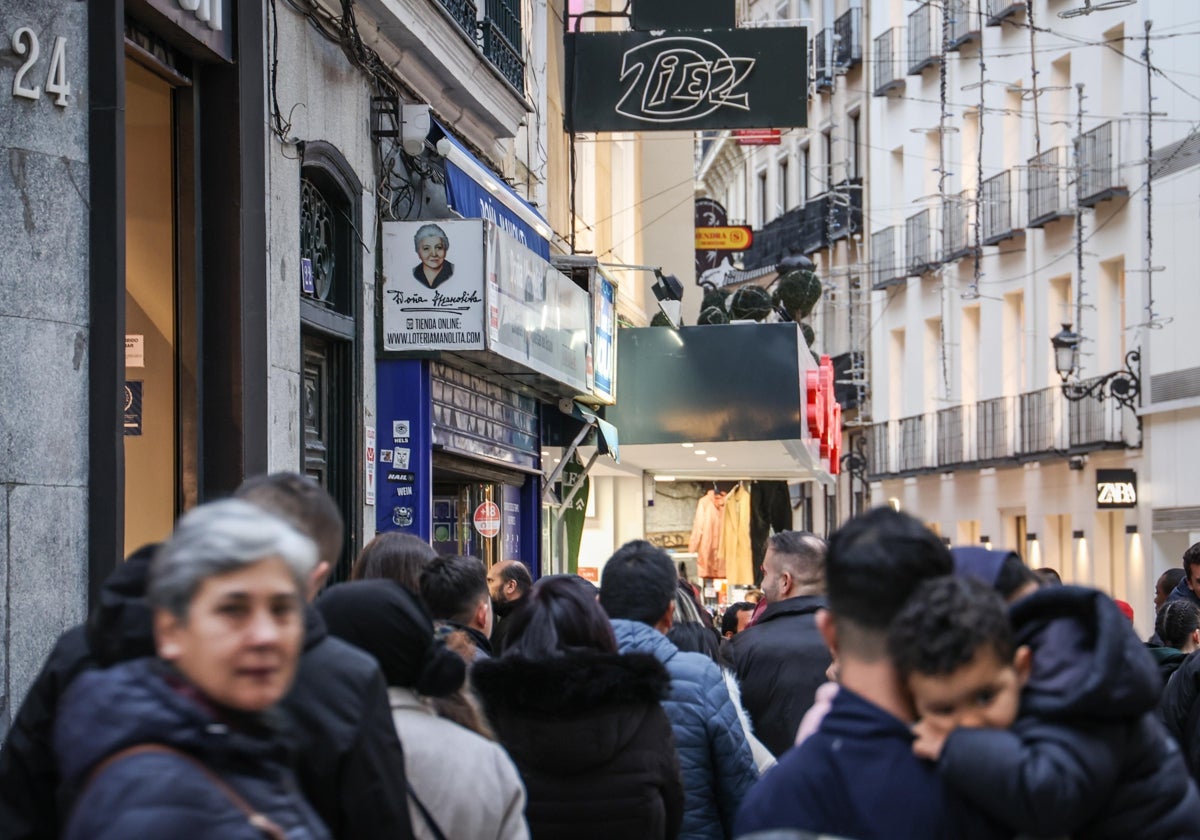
x: 726, y: 238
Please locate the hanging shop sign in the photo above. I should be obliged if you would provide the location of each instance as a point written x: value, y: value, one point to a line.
x: 671, y: 14
x: 206, y: 24
x: 1116, y: 489
x: 603, y: 365
x: 709, y: 213
x: 758, y: 136
x: 687, y: 81
x: 726, y: 238
x: 823, y: 413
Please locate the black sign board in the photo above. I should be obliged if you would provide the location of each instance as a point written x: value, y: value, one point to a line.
x: 1116, y: 489
x: 687, y: 81
x: 674, y: 14
x: 201, y: 28
x: 709, y: 213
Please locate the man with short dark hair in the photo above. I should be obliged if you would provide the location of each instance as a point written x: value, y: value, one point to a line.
x: 781, y: 660
x: 857, y: 776
x: 1189, y: 585
x: 736, y: 618
x: 455, y: 589
x: 507, y: 581
x: 1166, y: 584
x: 637, y: 590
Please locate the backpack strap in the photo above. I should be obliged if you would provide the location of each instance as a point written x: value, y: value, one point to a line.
x: 259, y: 820
x: 434, y: 828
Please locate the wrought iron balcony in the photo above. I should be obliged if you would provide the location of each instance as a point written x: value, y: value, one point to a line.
x: 501, y: 36
x: 998, y: 10
x: 887, y: 267
x: 951, y: 436
x: 777, y: 238
x: 993, y: 429
x: 1099, y: 164
x: 464, y: 13
x: 1097, y: 423
x: 998, y: 211
x: 958, y: 236
x: 822, y: 49
x: 919, y: 254
x: 914, y: 447
x: 1041, y: 427
x: 889, y: 72
x: 1048, y: 188
x: 847, y: 38
x: 963, y: 18
x: 924, y: 45
x: 879, y: 449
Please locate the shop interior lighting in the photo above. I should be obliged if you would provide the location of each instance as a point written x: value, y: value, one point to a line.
x: 711, y: 458
x: 699, y: 452
x: 687, y: 445
x: 664, y: 478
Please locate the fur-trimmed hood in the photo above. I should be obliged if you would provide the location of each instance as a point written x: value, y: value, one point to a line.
x: 572, y: 712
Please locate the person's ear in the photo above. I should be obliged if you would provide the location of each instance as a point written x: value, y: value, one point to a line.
x: 316, y: 580
x: 827, y: 627
x: 668, y: 619
x: 1196, y: 637
x: 166, y: 635
x: 483, y: 615
x: 1023, y: 664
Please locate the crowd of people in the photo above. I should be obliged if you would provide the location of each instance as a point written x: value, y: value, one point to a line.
x: 885, y: 686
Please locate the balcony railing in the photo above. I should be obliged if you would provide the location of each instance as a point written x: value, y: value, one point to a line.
x: 501, y: 35
x: 1041, y: 421
x: 1049, y: 188
x: 887, y: 268
x: 778, y: 237
x: 998, y: 10
x: 958, y: 237
x: 889, y: 72
x: 998, y: 210
x: 950, y: 436
x: 919, y: 253
x: 993, y: 429
x: 847, y: 38
x: 464, y: 14
x: 924, y: 45
x: 879, y: 448
x: 823, y: 74
x: 1093, y: 422
x: 914, y: 449
x: 963, y: 17
x: 1099, y: 164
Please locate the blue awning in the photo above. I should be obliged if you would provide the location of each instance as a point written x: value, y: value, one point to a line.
x: 493, y: 199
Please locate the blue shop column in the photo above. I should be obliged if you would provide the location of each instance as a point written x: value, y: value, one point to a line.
x: 404, y: 411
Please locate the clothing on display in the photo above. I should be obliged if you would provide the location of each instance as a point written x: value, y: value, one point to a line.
x: 770, y: 510
x: 730, y: 529
x: 705, y: 541
x: 735, y: 537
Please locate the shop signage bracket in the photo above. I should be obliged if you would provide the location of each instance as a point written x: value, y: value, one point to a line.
x: 607, y: 443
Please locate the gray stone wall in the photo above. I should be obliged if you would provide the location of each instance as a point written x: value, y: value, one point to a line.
x: 44, y: 336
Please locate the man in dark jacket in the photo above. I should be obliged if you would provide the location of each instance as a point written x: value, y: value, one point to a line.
x: 351, y: 766
x: 508, y: 582
x: 456, y: 592
x: 781, y: 660
x: 1189, y: 586
x: 637, y: 591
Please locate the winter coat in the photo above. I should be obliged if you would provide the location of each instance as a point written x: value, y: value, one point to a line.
x: 779, y: 662
x: 714, y: 759
x: 351, y: 766
x: 1087, y: 756
x: 1168, y: 659
x: 119, y: 629
x: 705, y: 540
x: 1179, y: 710
x: 469, y: 784
x: 1183, y: 592
x: 591, y: 741
x: 735, y: 537
x: 157, y: 794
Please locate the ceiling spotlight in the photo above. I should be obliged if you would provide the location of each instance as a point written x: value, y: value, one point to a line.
x: 687, y: 445
x: 699, y: 452
x: 711, y: 458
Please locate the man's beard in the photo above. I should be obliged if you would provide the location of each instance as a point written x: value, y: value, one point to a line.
x: 502, y: 608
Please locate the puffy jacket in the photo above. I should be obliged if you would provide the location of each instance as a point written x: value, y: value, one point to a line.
x: 591, y: 741
x: 118, y: 629
x: 1168, y: 659
x: 1087, y: 756
x: 714, y: 759
x: 165, y: 794
x: 780, y: 661
x: 1180, y: 711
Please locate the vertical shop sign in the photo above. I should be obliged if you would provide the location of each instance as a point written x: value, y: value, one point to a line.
x: 574, y: 516
x: 133, y: 407
x: 369, y: 490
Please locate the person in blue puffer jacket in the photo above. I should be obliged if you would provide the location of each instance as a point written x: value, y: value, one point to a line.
x: 637, y: 590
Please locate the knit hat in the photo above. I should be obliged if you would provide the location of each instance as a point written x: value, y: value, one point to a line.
x: 389, y: 622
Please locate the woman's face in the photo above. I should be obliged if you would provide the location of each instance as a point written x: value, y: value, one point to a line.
x: 241, y: 640
x: 432, y: 251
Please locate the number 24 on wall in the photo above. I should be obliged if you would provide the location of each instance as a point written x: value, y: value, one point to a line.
x: 25, y: 40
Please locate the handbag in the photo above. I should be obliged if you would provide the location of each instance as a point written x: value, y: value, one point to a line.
x: 267, y: 826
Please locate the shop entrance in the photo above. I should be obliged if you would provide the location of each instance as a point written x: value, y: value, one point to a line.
x: 160, y: 309
x: 476, y: 510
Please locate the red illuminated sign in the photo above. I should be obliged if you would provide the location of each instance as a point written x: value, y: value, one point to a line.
x: 823, y: 413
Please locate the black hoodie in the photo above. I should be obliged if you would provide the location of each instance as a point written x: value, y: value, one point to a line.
x: 1087, y: 756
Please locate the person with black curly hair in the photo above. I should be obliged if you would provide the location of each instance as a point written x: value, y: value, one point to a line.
x: 1042, y: 718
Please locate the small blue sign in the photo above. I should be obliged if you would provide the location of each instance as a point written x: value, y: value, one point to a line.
x: 133, y: 407
x: 306, y: 277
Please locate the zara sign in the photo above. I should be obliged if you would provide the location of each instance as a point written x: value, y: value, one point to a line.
x: 1116, y: 489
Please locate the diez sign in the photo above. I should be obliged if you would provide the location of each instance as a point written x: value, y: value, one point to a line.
x: 823, y: 413
x: 1116, y: 489
x: 732, y: 78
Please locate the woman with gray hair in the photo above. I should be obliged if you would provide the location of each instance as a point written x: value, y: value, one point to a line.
x: 185, y: 743
x: 432, y: 244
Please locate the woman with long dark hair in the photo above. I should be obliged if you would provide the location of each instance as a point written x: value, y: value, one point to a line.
x: 582, y: 722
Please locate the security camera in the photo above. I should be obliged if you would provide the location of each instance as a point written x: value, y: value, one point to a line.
x: 1076, y: 462
x: 414, y: 127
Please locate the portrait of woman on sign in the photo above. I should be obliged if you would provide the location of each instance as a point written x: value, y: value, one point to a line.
x: 433, y: 269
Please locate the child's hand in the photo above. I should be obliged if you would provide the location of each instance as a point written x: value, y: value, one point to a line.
x: 930, y: 737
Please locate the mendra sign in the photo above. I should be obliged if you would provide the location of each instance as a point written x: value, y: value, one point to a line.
x: 1116, y: 489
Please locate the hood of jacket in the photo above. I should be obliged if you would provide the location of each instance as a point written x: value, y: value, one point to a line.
x: 1087, y: 661
x: 132, y: 703
x: 799, y: 605
x: 569, y: 713
x: 121, y: 626
x: 1182, y: 590
x: 640, y: 637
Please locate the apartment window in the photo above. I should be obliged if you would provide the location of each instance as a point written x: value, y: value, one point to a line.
x: 763, y: 216
x: 852, y: 160
x: 827, y: 161
x: 805, y: 173
x: 782, y: 186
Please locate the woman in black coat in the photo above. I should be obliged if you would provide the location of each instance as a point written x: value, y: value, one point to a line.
x: 582, y: 722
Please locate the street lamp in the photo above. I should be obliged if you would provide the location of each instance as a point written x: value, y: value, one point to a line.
x: 1124, y: 386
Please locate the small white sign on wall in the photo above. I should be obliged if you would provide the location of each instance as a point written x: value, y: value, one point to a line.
x: 369, y: 488
x: 135, y: 351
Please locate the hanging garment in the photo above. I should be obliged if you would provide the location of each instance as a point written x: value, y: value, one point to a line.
x: 735, y: 537
x: 706, y: 535
x: 770, y: 510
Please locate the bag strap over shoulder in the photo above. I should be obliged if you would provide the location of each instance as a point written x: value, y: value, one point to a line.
x: 260, y: 821
x: 434, y: 828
